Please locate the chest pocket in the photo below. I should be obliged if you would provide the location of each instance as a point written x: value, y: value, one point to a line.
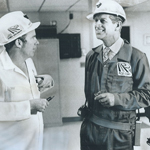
x: 119, y: 84
x: 119, y: 78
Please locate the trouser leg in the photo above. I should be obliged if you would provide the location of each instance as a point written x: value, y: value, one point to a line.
x: 89, y: 140
x: 94, y: 137
x: 123, y: 140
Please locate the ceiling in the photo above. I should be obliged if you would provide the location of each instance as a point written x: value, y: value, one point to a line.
x: 65, y: 5
x: 43, y: 5
x: 130, y: 3
x: 144, y: 6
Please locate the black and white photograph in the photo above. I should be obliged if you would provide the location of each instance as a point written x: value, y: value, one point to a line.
x: 74, y: 74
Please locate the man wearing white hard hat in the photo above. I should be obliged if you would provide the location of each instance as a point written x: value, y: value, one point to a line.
x: 117, y: 82
x: 21, y: 122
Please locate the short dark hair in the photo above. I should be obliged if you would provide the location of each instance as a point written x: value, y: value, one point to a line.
x: 11, y: 44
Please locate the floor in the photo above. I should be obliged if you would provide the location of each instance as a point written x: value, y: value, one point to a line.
x: 66, y: 137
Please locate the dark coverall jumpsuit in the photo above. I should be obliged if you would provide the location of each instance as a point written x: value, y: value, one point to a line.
x: 127, y: 76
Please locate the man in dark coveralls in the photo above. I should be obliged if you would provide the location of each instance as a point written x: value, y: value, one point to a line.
x: 117, y: 82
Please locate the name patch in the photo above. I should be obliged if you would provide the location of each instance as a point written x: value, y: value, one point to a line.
x: 124, y: 69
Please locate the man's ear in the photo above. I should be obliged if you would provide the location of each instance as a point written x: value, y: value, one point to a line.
x: 118, y: 26
x: 18, y: 43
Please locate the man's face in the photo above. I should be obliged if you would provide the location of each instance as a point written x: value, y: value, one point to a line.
x: 30, y: 44
x: 104, y: 28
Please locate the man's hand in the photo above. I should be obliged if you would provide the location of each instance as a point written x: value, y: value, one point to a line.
x: 38, y: 105
x: 106, y: 99
x: 44, y: 81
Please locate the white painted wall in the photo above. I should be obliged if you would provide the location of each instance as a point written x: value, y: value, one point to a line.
x: 71, y: 74
x: 139, y: 23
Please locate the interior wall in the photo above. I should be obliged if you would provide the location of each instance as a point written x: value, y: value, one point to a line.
x: 71, y: 72
x: 139, y: 23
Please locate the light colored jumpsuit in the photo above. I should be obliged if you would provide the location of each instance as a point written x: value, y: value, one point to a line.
x: 19, y: 130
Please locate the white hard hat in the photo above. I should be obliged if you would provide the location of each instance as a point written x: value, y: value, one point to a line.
x: 108, y: 7
x: 13, y: 25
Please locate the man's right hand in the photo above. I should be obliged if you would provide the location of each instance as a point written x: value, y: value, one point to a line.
x: 38, y: 105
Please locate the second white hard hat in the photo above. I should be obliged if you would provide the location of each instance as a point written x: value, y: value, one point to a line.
x: 108, y: 7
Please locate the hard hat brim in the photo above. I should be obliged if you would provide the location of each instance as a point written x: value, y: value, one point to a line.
x: 91, y: 16
x: 31, y: 28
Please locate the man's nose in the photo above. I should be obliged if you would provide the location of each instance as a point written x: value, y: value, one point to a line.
x: 97, y: 26
x: 37, y: 42
x: 98, y: 23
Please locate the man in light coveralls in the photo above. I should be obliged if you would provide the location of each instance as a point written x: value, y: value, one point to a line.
x: 21, y: 122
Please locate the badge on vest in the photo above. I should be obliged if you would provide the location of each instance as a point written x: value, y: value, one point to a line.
x: 124, y: 69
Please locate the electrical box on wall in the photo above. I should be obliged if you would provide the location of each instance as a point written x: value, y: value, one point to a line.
x: 125, y: 33
x: 46, y: 31
x: 69, y: 45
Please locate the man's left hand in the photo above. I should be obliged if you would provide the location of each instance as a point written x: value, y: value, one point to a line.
x: 44, y: 81
x: 106, y: 99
